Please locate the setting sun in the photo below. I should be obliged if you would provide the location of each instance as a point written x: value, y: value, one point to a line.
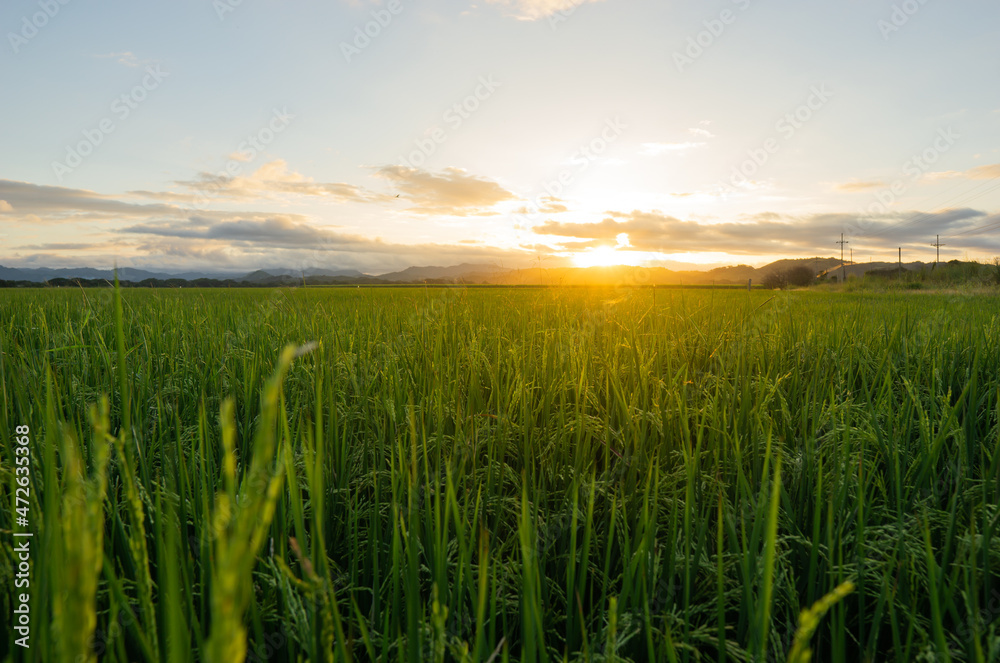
x: 604, y: 256
x: 608, y: 256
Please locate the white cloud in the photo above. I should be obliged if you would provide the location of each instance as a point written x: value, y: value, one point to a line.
x: 989, y: 172
x: 533, y: 10
x: 656, y: 149
x: 127, y: 58
x: 702, y: 129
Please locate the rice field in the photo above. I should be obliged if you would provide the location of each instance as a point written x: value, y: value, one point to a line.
x: 494, y: 474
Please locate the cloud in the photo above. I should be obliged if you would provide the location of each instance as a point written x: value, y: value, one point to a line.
x: 171, y: 237
x: 5, y: 206
x: 185, y: 198
x: 989, y: 172
x: 532, y: 10
x: 768, y: 233
x: 55, y: 203
x: 126, y: 58
x: 57, y: 246
x: 858, y: 185
x: 656, y: 149
x: 276, y: 231
x: 702, y: 130
x: 275, y: 177
x: 544, y: 205
x: 290, y: 242
x: 452, y: 192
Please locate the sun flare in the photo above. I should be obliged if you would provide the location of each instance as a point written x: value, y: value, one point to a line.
x: 605, y: 256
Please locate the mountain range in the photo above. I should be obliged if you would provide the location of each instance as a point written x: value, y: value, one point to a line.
x: 470, y: 273
x: 464, y: 273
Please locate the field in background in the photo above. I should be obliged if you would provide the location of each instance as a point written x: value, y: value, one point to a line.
x: 473, y: 475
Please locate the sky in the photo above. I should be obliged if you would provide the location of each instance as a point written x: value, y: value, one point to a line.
x: 244, y: 134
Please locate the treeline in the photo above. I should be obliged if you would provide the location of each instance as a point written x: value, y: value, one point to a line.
x: 147, y: 283
x: 799, y: 276
x: 277, y: 281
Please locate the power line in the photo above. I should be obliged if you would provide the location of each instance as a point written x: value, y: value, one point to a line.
x: 977, y: 231
x: 962, y: 199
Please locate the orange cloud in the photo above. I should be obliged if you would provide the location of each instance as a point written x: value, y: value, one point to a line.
x: 452, y: 192
x: 275, y: 177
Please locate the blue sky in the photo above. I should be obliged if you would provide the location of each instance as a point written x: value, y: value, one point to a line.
x: 604, y: 132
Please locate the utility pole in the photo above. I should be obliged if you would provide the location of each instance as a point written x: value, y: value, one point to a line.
x: 901, y: 260
x: 937, y: 244
x: 842, y: 242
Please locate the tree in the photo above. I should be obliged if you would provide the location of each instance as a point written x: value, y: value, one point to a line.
x: 777, y: 280
x: 800, y: 276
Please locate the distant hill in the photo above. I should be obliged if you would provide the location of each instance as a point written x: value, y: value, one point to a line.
x: 730, y: 275
x: 266, y: 278
x: 862, y: 268
x: 817, y: 265
x: 46, y: 274
x: 466, y: 272
x: 42, y: 274
x: 471, y: 273
x: 261, y: 274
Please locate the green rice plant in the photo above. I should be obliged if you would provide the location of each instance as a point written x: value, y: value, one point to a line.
x: 481, y: 474
x: 809, y: 620
x: 77, y: 549
x: 243, y: 518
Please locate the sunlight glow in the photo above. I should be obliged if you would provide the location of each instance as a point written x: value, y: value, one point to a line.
x: 606, y: 256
